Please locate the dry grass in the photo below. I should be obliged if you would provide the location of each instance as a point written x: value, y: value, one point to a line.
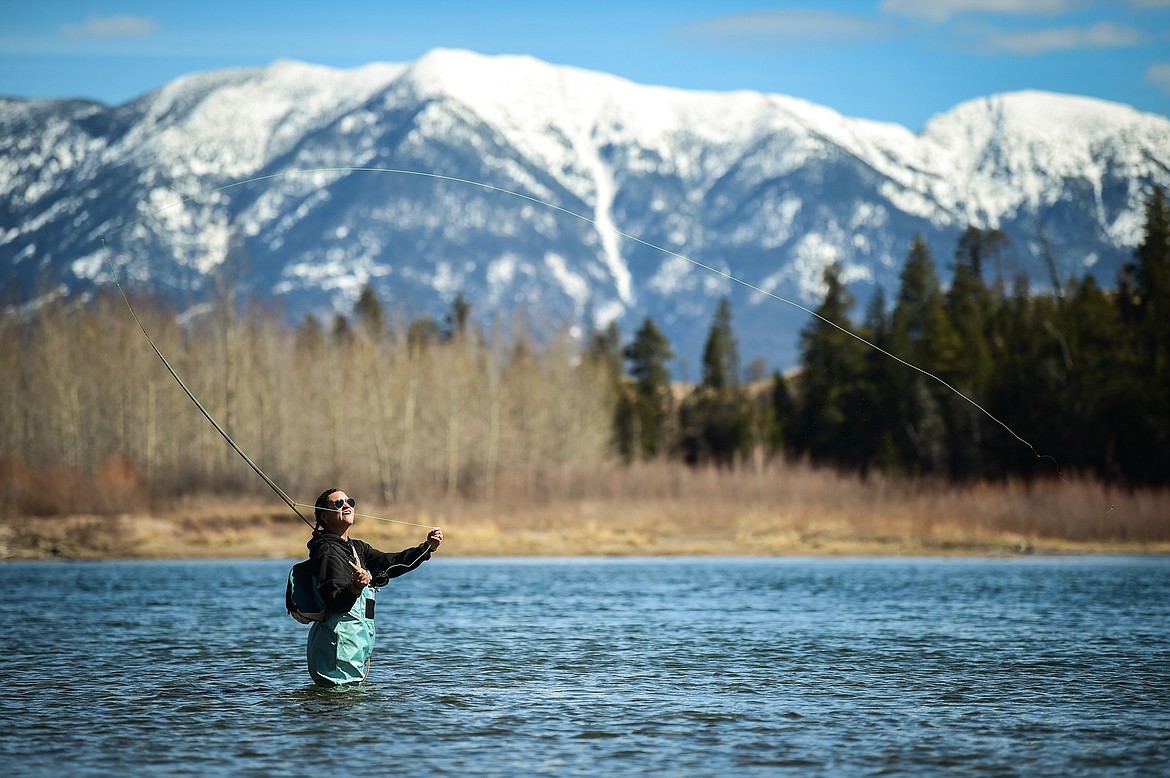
x: 654, y: 509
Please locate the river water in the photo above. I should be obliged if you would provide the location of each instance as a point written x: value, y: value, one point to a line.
x: 1028, y: 666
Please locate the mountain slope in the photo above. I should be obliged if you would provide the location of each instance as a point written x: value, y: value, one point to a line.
x: 529, y: 186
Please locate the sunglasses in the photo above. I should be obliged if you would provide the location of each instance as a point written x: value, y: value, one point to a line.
x: 339, y: 504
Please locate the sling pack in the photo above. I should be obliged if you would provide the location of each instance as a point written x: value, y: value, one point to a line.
x: 301, y: 598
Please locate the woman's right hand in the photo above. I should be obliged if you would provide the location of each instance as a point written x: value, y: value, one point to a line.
x: 361, y: 579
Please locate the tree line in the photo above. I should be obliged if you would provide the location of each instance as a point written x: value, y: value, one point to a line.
x: 990, y: 380
x: 90, y: 421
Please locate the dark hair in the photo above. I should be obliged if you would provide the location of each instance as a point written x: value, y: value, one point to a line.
x: 323, y: 502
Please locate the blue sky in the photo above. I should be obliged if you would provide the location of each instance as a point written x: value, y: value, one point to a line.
x: 891, y: 60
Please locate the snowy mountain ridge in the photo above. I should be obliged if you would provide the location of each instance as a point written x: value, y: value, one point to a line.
x: 768, y: 188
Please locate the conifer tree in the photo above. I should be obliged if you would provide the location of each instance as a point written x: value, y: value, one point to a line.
x: 1144, y: 301
x: 969, y: 307
x: 978, y: 247
x: 716, y: 419
x: 1151, y: 271
x: 921, y: 334
x: 830, y: 367
x: 783, y: 412
x: 648, y: 355
x: 869, y: 428
x: 1091, y: 373
x: 1013, y: 393
x: 721, y: 352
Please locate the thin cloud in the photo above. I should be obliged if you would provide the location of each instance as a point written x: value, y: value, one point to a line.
x: 943, y: 10
x: 1158, y: 74
x: 788, y: 26
x: 1104, y: 35
x: 111, y: 27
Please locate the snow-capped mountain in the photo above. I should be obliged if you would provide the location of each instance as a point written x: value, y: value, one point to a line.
x: 568, y: 194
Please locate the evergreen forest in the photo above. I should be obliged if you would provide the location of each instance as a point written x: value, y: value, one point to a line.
x: 984, y: 380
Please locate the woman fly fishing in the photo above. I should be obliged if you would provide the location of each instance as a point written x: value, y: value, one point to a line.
x: 347, y: 573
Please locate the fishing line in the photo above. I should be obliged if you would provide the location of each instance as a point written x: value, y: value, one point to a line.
x: 379, y: 518
x: 530, y: 198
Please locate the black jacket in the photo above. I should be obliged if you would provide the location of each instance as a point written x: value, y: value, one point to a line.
x: 332, y: 557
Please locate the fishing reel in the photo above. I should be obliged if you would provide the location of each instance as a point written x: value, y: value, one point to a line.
x: 379, y: 579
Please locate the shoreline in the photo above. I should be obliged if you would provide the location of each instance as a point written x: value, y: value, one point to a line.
x: 274, y: 536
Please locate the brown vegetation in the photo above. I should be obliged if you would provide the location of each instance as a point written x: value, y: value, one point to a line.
x: 649, y: 509
x: 506, y: 442
x: 91, y: 422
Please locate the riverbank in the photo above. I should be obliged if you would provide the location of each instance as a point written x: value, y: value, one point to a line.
x: 650, y: 512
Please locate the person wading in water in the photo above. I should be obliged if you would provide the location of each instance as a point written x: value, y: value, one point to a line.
x: 347, y: 572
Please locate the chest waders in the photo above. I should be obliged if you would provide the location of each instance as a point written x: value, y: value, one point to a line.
x: 339, y: 647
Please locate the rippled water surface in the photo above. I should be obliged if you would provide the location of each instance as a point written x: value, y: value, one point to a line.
x: 676, y: 666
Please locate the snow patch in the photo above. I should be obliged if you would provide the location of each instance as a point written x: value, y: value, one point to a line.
x: 573, y: 284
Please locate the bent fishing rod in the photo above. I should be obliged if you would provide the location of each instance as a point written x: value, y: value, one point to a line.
x: 291, y: 503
